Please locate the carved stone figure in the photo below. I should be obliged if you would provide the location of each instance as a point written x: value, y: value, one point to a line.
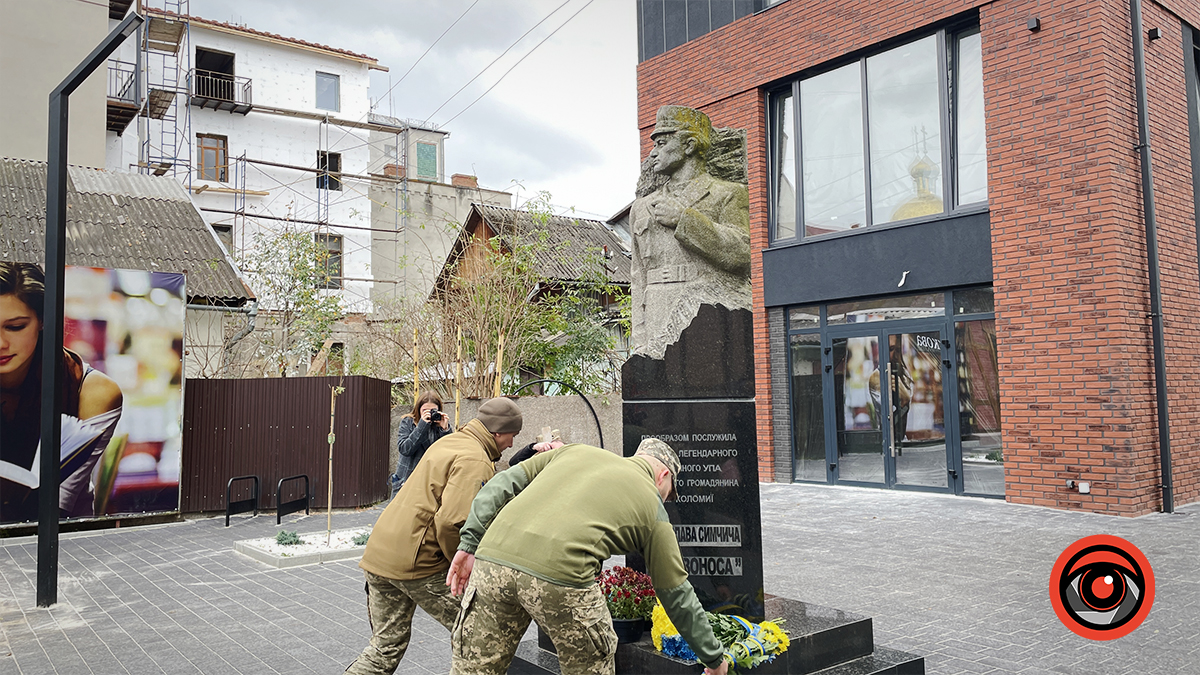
x: 691, y: 234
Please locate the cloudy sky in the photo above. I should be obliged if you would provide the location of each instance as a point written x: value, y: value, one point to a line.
x: 562, y: 120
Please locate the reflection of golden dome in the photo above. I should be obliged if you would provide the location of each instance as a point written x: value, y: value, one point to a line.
x: 924, y: 172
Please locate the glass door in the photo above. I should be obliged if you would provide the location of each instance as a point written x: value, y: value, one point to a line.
x: 888, y: 408
x: 857, y: 410
x: 915, y: 368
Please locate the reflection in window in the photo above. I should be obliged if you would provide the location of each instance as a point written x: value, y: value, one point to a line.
x: 832, y: 150
x: 785, y: 188
x: 800, y: 318
x: 979, y: 407
x: 906, y: 139
x: 898, y: 159
x: 329, y: 92
x: 974, y: 301
x: 972, y: 142
x: 859, y: 438
x: 887, y: 309
x: 427, y: 161
x: 808, y: 417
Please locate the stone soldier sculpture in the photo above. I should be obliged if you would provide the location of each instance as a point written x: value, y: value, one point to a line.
x: 691, y: 236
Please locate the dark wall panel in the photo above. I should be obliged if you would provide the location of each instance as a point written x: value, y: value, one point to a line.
x: 273, y: 428
x: 697, y: 18
x: 939, y: 254
x: 675, y: 22
x: 650, y: 29
x: 720, y: 12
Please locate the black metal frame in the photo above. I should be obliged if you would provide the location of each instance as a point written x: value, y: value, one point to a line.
x: 52, y: 313
x: 283, y: 508
x: 946, y: 325
x: 586, y: 402
x: 946, y: 35
x: 242, y: 505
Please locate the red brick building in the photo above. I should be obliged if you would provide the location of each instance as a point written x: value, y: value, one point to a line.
x: 952, y: 272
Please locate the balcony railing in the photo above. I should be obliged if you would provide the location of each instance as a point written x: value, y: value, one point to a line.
x: 121, y: 79
x: 208, y: 89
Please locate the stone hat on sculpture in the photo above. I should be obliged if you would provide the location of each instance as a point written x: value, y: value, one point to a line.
x: 672, y: 118
x: 664, y: 453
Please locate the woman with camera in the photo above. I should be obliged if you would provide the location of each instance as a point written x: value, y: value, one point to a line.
x: 418, y: 430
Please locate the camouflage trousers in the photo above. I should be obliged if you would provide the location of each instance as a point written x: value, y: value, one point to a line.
x: 390, y: 607
x: 496, y: 609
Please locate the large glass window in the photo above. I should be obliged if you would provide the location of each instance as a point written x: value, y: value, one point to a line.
x: 785, y: 171
x: 835, y: 192
x: 331, y: 260
x: 979, y: 407
x: 808, y: 413
x: 970, y: 140
x: 427, y: 161
x: 213, y: 158
x: 882, y: 139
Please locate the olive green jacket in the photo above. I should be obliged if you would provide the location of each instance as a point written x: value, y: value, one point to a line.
x: 417, y: 534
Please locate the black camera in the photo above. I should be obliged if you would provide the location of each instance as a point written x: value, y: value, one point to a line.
x: 435, y: 416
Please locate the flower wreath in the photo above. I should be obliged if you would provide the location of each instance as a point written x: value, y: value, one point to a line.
x: 746, y: 644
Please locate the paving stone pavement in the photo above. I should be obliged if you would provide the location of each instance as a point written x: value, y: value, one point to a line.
x: 963, y: 582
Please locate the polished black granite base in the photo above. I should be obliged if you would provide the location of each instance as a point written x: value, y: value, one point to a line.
x: 714, y: 358
x: 824, y: 640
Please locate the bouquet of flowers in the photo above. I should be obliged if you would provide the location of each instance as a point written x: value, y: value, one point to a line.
x: 746, y: 644
x: 628, y: 593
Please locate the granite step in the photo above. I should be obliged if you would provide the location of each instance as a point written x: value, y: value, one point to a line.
x: 882, y: 661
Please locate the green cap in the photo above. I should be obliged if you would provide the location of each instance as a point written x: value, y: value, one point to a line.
x: 652, y: 447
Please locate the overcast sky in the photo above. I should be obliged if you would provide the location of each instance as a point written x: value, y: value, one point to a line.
x: 563, y: 120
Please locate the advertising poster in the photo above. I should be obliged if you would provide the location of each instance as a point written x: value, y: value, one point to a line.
x: 121, y: 391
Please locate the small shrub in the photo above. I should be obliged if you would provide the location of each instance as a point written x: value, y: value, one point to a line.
x: 995, y: 456
x: 285, y: 538
x: 360, y: 539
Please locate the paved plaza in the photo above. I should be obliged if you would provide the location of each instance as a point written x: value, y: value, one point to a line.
x: 960, y: 581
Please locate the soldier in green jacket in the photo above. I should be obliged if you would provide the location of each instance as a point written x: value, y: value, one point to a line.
x: 410, y: 547
x: 565, y: 512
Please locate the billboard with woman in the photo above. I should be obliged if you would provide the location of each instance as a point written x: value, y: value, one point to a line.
x: 121, y: 391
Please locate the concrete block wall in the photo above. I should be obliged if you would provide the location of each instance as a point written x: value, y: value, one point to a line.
x: 1068, y: 243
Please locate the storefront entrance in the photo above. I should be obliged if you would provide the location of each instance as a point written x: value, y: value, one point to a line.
x: 873, y: 383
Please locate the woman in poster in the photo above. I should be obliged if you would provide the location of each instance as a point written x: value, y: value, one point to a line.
x: 91, y: 406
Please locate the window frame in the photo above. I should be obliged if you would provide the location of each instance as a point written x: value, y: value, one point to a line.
x: 221, y: 168
x: 947, y: 37
x: 329, y: 178
x: 333, y: 261
x: 337, y: 91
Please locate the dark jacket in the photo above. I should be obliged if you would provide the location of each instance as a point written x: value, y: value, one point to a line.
x: 522, y: 455
x: 413, y: 439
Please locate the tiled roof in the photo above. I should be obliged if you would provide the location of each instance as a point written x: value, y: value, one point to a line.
x: 569, y: 242
x: 273, y: 36
x: 118, y: 220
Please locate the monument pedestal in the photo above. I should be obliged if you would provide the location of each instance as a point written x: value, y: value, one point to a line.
x: 699, y: 398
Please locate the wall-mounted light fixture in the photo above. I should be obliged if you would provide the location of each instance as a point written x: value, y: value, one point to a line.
x: 1154, y: 33
x: 1034, y: 24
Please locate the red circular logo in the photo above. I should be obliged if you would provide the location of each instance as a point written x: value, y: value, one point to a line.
x: 1102, y: 587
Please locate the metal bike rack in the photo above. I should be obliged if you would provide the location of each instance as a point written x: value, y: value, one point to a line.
x: 284, y: 508
x: 242, y: 505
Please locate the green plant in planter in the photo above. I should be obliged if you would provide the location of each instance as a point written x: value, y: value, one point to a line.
x: 994, y: 456
x: 628, y: 593
x: 360, y: 539
x: 285, y: 538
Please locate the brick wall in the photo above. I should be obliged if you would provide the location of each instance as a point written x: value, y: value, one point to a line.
x: 1068, y: 243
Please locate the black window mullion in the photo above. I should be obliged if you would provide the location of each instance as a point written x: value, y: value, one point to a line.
x: 866, y: 134
x: 945, y: 43
x: 797, y: 147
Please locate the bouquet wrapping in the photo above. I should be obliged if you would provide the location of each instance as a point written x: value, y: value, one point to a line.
x: 746, y: 644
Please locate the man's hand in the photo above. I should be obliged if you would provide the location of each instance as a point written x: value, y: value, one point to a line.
x: 722, y: 670
x: 460, y: 572
x: 666, y: 210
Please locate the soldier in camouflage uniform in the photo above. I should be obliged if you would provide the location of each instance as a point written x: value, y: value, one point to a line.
x: 410, y: 547
x: 565, y: 512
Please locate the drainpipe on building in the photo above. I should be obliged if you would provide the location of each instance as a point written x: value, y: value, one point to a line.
x: 251, y: 312
x: 1156, y: 318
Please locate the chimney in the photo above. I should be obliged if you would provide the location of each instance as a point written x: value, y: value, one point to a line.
x: 462, y: 180
x: 393, y: 171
